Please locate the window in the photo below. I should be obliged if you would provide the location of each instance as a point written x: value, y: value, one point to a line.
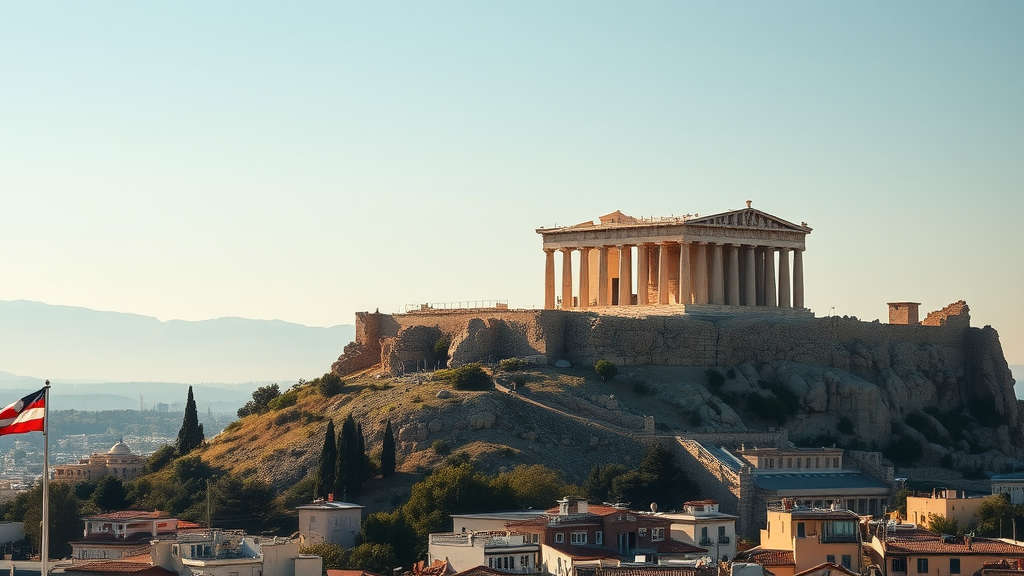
x: 599, y: 538
x: 954, y: 565
x: 559, y: 537
x: 789, y: 462
x: 922, y: 565
x: 524, y: 561
x: 835, y: 462
x: 642, y: 531
x: 899, y: 564
x: 536, y: 538
x: 808, y: 463
x: 657, y: 534
x: 831, y: 558
x: 578, y: 538
x: 847, y: 561
x: 839, y: 531
x: 817, y: 462
x: 801, y: 531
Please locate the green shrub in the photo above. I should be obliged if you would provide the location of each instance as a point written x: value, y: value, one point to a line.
x: 468, y: 377
x: 285, y: 400
x: 640, y: 388
x: 606, y: 369
x: 905, y: 450
x: 715, y: 378
x: 329, y: 384
x: 768, y: 408
x: 440, y: 447
x: 513, y: 365
x: 845, y: 425
x: 441, y: 348
x: 286, y: 416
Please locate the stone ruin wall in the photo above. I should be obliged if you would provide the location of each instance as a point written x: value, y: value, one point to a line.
x: 957, y: 315
x: 839, y: 365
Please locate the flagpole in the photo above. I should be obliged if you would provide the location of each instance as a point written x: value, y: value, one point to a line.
x: 44, y: 545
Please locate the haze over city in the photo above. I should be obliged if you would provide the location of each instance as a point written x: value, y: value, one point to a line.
x: 303, y: 162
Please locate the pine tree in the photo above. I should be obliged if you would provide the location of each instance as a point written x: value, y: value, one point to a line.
x: 327, y: 466
x: 387, y: 452
x: 190, y: 436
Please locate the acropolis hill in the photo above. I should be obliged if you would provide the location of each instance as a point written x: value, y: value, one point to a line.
x: 713, y: 294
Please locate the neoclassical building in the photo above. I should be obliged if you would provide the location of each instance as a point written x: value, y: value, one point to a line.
x: 743, y: 258
x: 119, y: 461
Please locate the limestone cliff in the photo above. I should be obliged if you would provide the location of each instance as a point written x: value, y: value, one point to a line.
x: 949, y: 380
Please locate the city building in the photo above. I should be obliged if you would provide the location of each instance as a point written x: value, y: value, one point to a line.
x: 123, y: 534
x: 905, y: 551
x: 797, y: 538
x: 726, y: 259
x: 1011, y: 485
x: 945, y: 503
x: 491, y: 521
x: 232, y: 553
x: 329, y: 522
x: 119, y: 462
x: 702, y: 524
x: 504, y: 551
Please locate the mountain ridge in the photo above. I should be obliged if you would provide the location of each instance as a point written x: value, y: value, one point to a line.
x: 128, y: 347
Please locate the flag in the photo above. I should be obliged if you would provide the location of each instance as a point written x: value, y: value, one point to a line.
x: 25, y: 415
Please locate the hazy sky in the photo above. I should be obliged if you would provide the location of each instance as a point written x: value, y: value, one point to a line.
x: 304, y: 160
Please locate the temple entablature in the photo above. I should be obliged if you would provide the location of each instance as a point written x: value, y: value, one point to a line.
x: 726, y: 259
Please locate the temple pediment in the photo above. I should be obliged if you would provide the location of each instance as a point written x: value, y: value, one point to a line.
x: 748, y: 218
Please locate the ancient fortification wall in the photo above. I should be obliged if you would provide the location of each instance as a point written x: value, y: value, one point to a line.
x: 874, y: 374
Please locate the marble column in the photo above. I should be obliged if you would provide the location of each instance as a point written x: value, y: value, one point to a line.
x: 785, y: 295
x: 566, y: 278
x: 750, y: 271
x: 734, y: 274
x: 602, y: 276
x: 643, y: 270
x: 798, y: 278
x: 625, y: 275
x: 549, y: 279
x: 717, y: 275
x: 759, y: 275
x: 663, y: 272
x: 584, y: 278
x: 684, y: 287
x: 769, y: 278
x: 700, y: 275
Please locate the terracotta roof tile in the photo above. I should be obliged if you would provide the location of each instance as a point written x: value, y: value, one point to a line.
x: 832, y: 567
x: 129, y: 515
x: 351, y: 573
x: 646, y: 571
x: 924, y: 542
x: 121, y: 567
x: 767, y: 557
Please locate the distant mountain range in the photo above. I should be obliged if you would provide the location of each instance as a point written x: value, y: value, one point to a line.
x: 77, y: 345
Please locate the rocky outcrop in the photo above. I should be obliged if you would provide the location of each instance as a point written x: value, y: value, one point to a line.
x: 875, y: 375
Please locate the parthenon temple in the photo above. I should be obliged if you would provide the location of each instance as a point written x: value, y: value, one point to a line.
x: 723, y: 262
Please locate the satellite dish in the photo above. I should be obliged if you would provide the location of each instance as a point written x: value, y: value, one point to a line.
x: 654, y: 507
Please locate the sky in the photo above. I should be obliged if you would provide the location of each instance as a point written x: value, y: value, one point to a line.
x: 305, y: 160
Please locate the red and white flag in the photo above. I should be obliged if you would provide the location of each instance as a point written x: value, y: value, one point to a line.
x: 25, y: 415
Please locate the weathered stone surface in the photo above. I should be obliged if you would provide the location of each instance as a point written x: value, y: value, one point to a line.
x: 443, y: 394
x: 563, y: 364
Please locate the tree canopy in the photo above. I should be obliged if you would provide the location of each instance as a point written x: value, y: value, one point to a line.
x: 190, y: 436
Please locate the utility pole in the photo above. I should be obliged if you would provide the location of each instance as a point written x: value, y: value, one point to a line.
x: 209, y: 522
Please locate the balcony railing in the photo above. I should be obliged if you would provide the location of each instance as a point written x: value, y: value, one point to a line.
x: 707, y: 542
x: 723, y: 540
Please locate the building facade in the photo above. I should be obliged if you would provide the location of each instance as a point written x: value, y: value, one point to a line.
x: 702, y: 524
x: 741, y: 258
x: 119, y: 462
x: 328, y: 522
x: 945, y: 503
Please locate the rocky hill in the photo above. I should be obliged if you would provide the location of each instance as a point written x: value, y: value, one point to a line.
x: 945, y: 393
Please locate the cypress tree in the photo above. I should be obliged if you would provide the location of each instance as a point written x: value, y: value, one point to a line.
x: 387, y: 452
x: 361, y: 453
x: 190, y: 436
x: 327, y: 466
x: 348, y: 481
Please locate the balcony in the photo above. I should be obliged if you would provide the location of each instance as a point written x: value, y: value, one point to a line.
x: 707, y: 542
x: 724, y: 540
